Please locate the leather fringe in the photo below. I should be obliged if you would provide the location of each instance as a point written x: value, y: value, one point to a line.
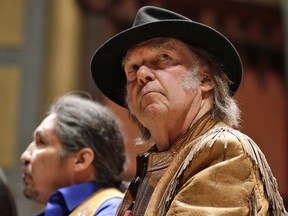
x: 270, y: 184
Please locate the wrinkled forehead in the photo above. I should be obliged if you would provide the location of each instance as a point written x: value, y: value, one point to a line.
x: 156, y: 44
x: 48, y: 124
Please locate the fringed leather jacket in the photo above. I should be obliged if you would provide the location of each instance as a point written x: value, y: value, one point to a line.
x: 210, y: 170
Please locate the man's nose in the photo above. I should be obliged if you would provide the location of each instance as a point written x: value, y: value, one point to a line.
x: 145, y: 74
x: 26, y: 155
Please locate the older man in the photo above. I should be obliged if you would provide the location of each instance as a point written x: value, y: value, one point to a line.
x: 74, y: 162
x: 177, y: 77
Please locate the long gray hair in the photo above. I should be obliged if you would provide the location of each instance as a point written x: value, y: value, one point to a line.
x: 82, y: 123
x: 225, y: 107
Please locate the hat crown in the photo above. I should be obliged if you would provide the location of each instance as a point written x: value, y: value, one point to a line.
x: 149, y: 14
x: 152, y: 22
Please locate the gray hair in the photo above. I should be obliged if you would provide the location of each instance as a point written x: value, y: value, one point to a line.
x: 83, y: 123
x: 225, y: 107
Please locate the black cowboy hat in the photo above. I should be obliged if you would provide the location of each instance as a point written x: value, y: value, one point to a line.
x: 151, y: 22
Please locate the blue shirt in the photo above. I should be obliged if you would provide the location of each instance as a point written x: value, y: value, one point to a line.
x: 65, y: 200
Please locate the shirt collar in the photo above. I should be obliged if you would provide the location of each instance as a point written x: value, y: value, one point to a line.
x: 74, y: 195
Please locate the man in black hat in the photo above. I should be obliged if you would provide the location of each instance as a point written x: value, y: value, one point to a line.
x: 177, y: 78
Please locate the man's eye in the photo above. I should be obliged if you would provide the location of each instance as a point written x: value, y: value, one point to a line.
x: 39, y: 142
x: 163, y: 57
x: 131, y: 68
x: 134, y: 67
x: 131, y: 72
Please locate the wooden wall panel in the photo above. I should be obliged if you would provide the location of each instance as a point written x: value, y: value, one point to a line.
x: 10, y: 78
x: 11, y: 23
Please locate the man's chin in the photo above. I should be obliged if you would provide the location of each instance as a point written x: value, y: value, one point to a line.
x: 27, y: 196
x: 31, y: 194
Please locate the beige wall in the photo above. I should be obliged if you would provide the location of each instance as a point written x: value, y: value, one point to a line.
x: 63, y: 50
x: 11, y: 37
x: 10, y: 80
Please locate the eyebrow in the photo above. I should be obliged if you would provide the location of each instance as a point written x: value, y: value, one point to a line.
x: 161, y: 45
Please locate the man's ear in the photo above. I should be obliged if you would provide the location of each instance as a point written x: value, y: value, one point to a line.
x: 83, y: 159
x: 206, y: 80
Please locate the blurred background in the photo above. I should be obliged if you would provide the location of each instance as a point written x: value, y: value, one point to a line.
x: 45, y: 52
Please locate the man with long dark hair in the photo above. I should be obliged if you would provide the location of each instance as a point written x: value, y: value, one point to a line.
x: 74, y: 162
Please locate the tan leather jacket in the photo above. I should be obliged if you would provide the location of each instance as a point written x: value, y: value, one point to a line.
x: 210, y: 170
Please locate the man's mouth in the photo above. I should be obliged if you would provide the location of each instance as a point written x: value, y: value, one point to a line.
x: 26, y: 175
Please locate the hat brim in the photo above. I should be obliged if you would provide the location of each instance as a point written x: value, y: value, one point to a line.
x: 109, y: 76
